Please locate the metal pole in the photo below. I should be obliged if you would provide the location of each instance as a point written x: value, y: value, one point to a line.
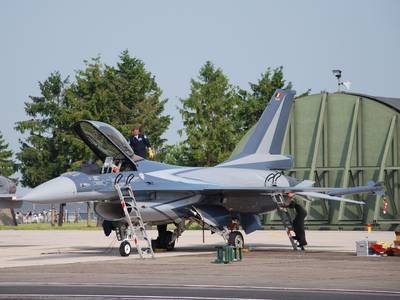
x: 204, y: 240
x: 52, y: 215
x: 89, y: 213
x: 61, y: 214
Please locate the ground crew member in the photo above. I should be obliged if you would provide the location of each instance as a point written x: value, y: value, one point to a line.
x: 298, y: 223
x: 140, y: 144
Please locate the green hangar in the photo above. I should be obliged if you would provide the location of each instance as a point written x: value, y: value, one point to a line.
x: 342, y: 140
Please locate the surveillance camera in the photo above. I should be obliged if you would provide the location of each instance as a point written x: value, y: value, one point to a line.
x: 337, y: 73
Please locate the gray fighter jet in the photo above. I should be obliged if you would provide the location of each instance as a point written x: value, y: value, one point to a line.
x: 251, y: 182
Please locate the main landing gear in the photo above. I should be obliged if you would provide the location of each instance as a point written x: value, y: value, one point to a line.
x: 232, y: 235
x: 235, y: 238
x: 164, y: 240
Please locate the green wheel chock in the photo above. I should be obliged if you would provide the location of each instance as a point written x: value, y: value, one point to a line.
x: 227, y: 254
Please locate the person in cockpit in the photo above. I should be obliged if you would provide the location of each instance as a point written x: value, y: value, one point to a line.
x: 140, y: 144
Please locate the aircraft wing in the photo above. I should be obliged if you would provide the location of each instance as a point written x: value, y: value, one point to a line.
x: 9, y: 201
x: 305, y: 189
x: 328, y: 197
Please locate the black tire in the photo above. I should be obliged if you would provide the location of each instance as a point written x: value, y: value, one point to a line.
x: 236, y: 239
x: 155, y: 244
x: 168, y: 238
x: 125, y: 248
x: 163, y: 241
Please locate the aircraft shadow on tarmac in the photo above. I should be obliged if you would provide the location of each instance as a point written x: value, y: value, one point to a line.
x: 112, y: 251
x: 198, y: 248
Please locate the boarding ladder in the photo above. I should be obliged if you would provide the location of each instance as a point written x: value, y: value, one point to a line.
x: 282, y: 209
x: 135, y: 233
x: 284, y: 214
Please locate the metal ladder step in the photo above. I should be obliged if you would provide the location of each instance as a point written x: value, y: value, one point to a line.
x: 286, y: 219
x: 137, y: 232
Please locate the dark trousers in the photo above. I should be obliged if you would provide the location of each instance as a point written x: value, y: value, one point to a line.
x: 298, y: 224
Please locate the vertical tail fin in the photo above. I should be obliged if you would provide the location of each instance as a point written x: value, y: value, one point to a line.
x: 264, y: 144
x: 268, y: 134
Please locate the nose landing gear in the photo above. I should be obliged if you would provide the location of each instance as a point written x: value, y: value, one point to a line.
x: 125, y: 248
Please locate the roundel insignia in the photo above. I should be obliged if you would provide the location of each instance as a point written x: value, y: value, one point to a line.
x: 279, y: 96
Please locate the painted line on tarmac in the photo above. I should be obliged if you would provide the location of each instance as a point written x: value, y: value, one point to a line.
x: 113, y: 296
x: 203, y: 286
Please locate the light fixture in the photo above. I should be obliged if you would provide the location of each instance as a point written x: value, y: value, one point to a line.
x: 338, y: 74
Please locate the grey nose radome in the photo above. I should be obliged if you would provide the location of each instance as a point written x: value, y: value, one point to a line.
x: 57, y: 190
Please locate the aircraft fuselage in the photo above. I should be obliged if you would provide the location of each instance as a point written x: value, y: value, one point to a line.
x: 163, y: 195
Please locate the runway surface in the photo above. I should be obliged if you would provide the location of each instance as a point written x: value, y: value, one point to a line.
x: 72, y: 268
x: 46, y: 291
x: 41, y: 247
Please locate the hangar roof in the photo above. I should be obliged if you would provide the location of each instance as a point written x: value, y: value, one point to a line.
x: 392, y: 102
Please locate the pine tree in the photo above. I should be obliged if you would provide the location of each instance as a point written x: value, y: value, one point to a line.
x: 124, y: 96
x: 7, y: 164
x: 49, y: 147
x: 210, y: 117
x: 216, y: 115
x: 261, y: 92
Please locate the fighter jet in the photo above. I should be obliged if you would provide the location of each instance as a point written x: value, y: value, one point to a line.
x: 231, y: 194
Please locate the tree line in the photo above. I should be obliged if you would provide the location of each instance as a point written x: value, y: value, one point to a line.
x: 215, y: 114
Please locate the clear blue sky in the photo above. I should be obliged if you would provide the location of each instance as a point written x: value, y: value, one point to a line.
x: 175, y: 38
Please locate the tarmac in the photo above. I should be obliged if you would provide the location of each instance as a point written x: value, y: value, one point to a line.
x: 86, y: 265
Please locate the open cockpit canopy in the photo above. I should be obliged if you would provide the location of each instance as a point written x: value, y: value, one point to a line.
x: 105, y: 141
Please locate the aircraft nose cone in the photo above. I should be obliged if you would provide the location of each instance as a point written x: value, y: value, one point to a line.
x: 57, y: 190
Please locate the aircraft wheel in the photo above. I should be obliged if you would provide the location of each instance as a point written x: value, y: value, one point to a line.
x: 236, y: 239
x: 164, y: 241
x: 155, y: 244
x: 168, y: 238
x: 125, y: 248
